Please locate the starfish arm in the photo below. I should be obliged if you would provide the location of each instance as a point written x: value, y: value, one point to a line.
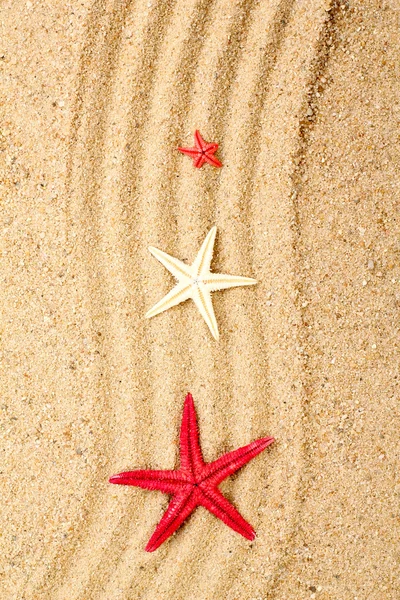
x: 176, y: 267
x: 211, y: 148
x: 204, y: 256
x: 179, y: 508
x: 169, y: 482
x: 228, y: 464
x: 199, y: 161
x: 178, y: 294
x: 202, y: 299
x: 218, y: 505
x: 193, y: 152
x: 212, y: 160
x: 190, y: 452
x: 220, y: 281
x: 200, y: 143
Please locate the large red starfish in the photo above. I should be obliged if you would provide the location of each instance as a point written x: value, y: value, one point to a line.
x: 195, y: 483
x: 203, y: 152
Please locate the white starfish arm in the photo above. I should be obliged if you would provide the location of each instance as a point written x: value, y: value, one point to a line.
x: 178, y: 294
x: 219, y: 281
x: 202, y: 299
x: 203, y: 259
x: 176, y: 267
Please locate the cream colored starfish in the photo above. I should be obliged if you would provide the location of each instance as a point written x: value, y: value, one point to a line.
x: 196, y: 282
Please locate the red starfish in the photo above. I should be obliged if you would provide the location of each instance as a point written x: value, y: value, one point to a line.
x: 195, y: 483
x: 203, y: 152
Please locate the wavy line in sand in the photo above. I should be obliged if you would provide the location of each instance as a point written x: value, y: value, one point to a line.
x: 98, y: 61
x: 327, y: 41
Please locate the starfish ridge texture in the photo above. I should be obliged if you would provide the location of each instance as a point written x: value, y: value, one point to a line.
x: 203, y: 152
x: 195, y: 483
x: 196, y: 282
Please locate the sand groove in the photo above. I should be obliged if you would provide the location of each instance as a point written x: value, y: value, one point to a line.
x: 150, y: 75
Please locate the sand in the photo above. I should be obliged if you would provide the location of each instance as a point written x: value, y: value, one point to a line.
x: 303, y: 98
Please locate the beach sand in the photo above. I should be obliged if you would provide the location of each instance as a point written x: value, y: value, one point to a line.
x: 303, y: 98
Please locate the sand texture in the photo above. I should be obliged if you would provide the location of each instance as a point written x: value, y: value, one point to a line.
x: 303, y: 97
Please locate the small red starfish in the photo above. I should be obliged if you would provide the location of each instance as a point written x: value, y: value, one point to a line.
x: 195, y: 483
x: 203, y: 152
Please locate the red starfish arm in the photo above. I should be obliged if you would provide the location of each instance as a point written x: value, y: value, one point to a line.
x: 169, y: 482
x: 212, y: 160
x: 211, y: 148
x: 179, y: 508
x: 200, y: 143
x: 227, y: 464
x: 199, y: 160
x: 190, y: 452
x: 218, y: 505
x: 193, y: 152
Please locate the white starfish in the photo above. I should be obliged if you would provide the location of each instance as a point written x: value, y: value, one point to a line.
x: 196, y: 282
